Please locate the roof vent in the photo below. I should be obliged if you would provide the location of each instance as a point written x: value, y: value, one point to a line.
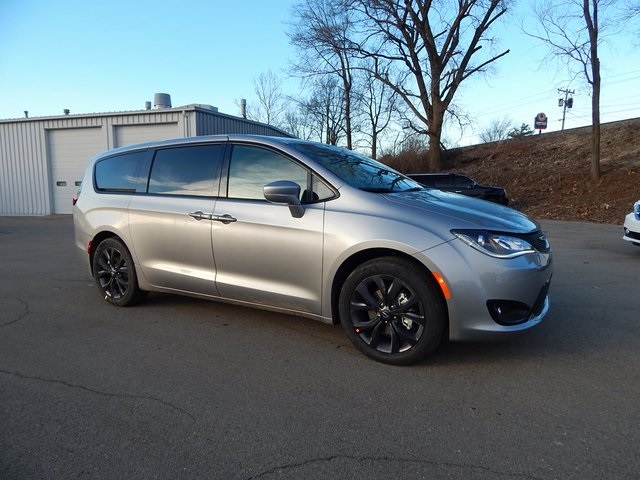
x: 147, y: 105
x: 162, y: 100
x: 243, y: 107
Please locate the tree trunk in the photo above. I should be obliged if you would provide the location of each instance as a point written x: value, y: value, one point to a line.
x: 435, y: 135
x: 595, y: 130
x: 434, y: 155
x: 374, y: 145
x: 347, y: 113
x: 592, y: 27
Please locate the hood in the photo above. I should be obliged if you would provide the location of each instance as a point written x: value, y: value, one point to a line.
x: 465, y: 212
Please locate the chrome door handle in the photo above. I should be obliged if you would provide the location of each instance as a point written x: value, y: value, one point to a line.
x: 226, y: 218
x: 200, y: 216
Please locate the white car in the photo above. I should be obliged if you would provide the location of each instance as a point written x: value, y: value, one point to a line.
x: 632, y: 225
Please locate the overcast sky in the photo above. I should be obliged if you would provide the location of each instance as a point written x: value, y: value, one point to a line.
x: 91, y: 57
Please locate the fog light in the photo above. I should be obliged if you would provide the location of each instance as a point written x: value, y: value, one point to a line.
x: 508, y: 312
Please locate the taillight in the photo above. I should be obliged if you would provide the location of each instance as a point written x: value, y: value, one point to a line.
x: 74, y: 198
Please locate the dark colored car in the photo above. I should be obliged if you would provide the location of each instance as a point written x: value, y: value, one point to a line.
x: 457, y: 183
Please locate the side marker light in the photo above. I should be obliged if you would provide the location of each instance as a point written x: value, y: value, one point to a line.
x: 443, y: 285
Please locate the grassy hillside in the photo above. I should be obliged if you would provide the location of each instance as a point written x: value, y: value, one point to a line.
x: 547, y: 176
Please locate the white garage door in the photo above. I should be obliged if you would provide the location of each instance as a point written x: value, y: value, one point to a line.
x: 69, y: 151
x: 132, y: 134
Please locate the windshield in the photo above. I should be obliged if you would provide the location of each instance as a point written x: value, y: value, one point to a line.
x: 357, y: 170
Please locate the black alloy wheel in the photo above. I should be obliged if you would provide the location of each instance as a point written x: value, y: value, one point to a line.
x: 115, y: 274
x: 392, y: 311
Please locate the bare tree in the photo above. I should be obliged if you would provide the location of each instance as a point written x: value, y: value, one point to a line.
x: 424, y: 50
x: 271, y: 106
x: 297, y: 121
x: 632, y: 9
x: 498, y: 129
x: 325, y: 112
x: 320, y: 31
x: 378, y: 105
x: 573, y: 30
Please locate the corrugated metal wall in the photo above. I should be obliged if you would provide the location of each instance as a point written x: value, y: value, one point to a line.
x: 219, y: 123
x: 24, y: 179
x: 25, y: 163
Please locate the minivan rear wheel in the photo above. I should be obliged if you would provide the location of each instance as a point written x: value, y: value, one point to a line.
x: 392, y: 311
x: 115, y: 274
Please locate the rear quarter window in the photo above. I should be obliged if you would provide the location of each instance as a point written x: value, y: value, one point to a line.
x: 120, y: 173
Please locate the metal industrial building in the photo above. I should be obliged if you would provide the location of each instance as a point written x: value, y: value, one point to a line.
x: 42, y: 160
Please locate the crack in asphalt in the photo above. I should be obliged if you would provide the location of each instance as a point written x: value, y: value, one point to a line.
x: 20, y: 315
x: 99, y: 392
x: 282, y: 468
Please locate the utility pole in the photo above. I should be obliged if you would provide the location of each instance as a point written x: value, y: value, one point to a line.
x: 567, y: 102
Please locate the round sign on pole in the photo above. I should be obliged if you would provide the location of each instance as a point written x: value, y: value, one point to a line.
x: 540, y: 122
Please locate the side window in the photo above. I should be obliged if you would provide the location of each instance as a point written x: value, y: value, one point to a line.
x: 119, y: 173
x: 439, y: 182
x: 463, y: 182
x: 187, y: 170
x: 252, y: 168
x: 319, y: 191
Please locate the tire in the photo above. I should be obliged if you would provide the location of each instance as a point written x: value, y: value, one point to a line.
x: 115, y: 274
x: 392, y: 311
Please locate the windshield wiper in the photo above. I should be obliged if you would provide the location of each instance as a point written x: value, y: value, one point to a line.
x: 377, y: 189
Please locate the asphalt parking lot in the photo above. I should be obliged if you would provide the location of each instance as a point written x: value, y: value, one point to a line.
x: 179, y: 388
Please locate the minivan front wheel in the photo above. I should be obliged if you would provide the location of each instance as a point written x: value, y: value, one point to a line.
x: 115, y: 274
x: 391, y: 311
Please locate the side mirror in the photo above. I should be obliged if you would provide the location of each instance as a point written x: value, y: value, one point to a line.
x: 287, y: 192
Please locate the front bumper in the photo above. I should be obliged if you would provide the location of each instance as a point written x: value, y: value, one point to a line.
x: 632, y: 228
x: 492, y: 297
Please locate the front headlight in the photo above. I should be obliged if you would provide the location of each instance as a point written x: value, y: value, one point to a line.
x: 499, y: 245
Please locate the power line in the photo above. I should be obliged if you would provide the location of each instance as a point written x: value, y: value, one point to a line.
x: 548, y: 94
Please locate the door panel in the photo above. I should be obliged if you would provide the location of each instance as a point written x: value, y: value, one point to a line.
x: 173, y: 248
x: 268, y: 257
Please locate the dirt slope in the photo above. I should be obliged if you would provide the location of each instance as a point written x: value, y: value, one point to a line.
x: 547, y: 176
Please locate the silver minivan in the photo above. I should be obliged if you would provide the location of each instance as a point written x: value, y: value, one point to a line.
x: 312, y: 230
